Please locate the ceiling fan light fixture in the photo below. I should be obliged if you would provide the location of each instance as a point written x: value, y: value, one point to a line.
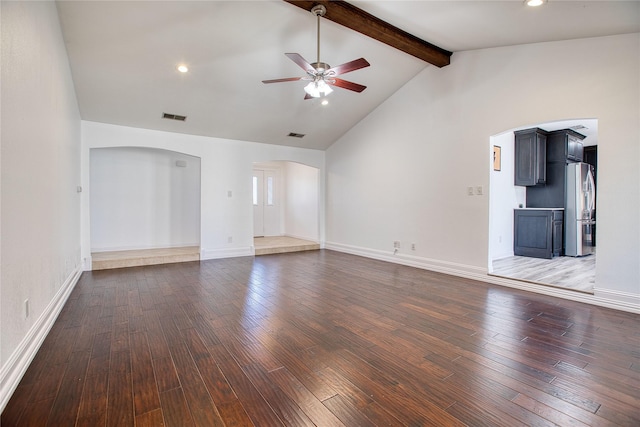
x: 318, y: 89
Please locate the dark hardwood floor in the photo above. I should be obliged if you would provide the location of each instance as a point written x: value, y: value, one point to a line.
x: 327, y: 339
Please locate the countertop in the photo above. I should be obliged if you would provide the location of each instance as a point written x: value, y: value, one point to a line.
x: 539, y: 209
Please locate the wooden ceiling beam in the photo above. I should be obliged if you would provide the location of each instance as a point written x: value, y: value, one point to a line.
x: 352, y: 17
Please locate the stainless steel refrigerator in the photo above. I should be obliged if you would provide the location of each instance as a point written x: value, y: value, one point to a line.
x: 579, y: 209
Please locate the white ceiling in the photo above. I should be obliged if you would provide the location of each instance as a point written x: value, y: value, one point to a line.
x: 123, y: 57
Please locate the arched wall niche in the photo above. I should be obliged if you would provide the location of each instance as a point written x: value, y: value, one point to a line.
x: 143, y: 198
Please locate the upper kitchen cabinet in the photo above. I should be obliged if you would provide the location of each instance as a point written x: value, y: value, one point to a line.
x: 565, y: 146
x: 530, y: 157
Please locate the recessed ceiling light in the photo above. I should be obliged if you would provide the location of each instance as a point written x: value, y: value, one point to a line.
x: 534, y: 3
x: 183, y: 68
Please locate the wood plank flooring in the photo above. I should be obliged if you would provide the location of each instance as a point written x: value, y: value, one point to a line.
x: 282, y: 244
x: 575, y: 273
x: 140, y: 257
x: 327, y: 339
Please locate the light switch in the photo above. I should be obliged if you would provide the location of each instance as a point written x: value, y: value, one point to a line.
x: 469, y: 191
x: 479, y: 190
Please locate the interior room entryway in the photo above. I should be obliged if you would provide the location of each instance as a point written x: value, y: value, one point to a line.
x: 145, y: 207
x: 538, y: 212
x: 285, y: 199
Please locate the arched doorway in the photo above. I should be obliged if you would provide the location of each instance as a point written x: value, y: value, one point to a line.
x: 286, y: 206
x: 575, y: 273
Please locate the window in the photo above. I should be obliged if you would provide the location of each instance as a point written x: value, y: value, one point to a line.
x: 255, y: 191
x: 269, y: 191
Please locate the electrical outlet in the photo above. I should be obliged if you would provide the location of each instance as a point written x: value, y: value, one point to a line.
x: 479, y: 190
x: 469, y: 191
x: 396, y: 244
x: 413, y: 246
x: 229, y: 239
x: 26, y: 309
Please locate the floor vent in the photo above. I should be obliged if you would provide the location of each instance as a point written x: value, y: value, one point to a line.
x: 174, y: 117
x: 296, y: 135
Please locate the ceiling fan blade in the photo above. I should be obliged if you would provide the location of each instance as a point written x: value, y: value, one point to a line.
x: 302, y: 63
x: 348, y: 67
x: 346, y: 84
x: 307, y: 96
x: 288, y: 79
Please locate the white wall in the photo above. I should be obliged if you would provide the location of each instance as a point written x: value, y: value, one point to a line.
x: 504, y: 197
x: 40, y: 172
x: 226, y: 165
x: 302, y: 195
x: 402, y: 172
x: 141, y: 199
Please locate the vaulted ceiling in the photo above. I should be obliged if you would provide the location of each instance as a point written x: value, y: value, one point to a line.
x: 124, y: 54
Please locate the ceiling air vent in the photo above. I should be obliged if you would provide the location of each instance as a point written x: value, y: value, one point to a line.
x: 174, y: 117
x: 296, y: 135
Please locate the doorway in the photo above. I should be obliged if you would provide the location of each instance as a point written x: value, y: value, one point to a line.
x: 574, y: 273
x: 286, y: 207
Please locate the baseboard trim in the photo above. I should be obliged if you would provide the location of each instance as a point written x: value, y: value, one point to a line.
x: 622, y: 299
x: 411, y: 261
x: 605, y: 298
x: 502, y: 255
x: 17, y: 364
x: 206, y: 254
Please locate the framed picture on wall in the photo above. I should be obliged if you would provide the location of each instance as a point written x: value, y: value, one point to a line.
x: 496, y: 158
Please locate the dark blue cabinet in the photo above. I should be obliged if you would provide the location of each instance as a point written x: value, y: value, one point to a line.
x: 538, y: 233
x: 530, y: 157
x: 565, y: 146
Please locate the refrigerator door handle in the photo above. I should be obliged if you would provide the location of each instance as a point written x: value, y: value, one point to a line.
x: 592, y: 191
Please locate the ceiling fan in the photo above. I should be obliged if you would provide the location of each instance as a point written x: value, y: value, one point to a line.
x: 321, y: 75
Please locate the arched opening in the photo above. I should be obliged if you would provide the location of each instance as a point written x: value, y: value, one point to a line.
x: 508, y: 200
x: 286, y: 207
x: 145, y: 205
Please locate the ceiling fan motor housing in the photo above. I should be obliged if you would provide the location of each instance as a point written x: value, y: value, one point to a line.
x: 320, y: 67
